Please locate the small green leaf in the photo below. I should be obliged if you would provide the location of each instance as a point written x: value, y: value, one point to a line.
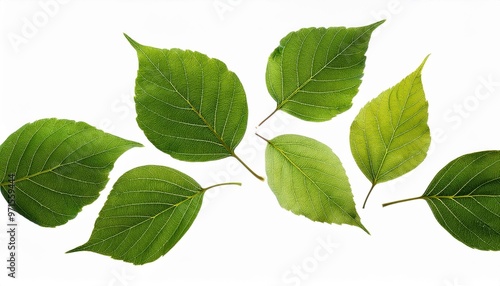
x: 148, y: 211
x: 308, y: 179
x: 59, y: 167
x: 189, y: 106
x: 315, y: 72
x: 465, y: 199
x: 390, y: 135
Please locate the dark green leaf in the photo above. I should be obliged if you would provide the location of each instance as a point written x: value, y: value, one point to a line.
x: 315, y: 72
x: 59, y: 167
x: 465, y: 199
x: 189, y: 105
x: 148, y: 211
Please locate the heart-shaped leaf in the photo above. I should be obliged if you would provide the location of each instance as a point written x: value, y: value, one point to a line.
x: 148, y: 211
x: 464, y: 197
x: 59, y: 166
x: 315, y: 72
x: 308, y: 179
x: 189, y: 106
x: 390, y: 135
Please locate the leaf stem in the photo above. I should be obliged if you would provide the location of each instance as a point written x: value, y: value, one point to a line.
x: 369, y: 192
x: 248, y: 168
x: 222, y: 184
x: 258, y: 135
x: 269, y: 116
x: 401, y: 201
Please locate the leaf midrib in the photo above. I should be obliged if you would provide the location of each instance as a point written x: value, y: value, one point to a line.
x: 298, y: 89
x: 398, y: 125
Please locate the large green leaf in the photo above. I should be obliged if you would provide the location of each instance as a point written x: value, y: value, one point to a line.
x: 308, y: 179
x: 189, y: 105
x: 59, y: 167
x: 315, y: 72
x: 390, y: 135
x: 465, y: 199
x: 148, y: 211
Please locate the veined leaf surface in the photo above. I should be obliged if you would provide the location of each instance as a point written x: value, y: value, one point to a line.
x: 308, y: 179
x: 59, y: 166
x: 148, y: 211
x: 315, y: 72
x: 465, y: 199
x: 390, y: 135
x: 189, y: 106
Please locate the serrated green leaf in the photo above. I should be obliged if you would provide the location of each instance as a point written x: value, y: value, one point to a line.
x: 390, y: 136
x: 308, y: 179
x: 59, y: 167
x: 148, y: 211
x: 189, y: 106
x: 315, y: 72
x: 464, y: 197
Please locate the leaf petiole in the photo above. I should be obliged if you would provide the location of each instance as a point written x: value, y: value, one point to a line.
x: 221, y: 184
x: 401, y: 201
x: 269, y: 116
x: 369, y: 192
x: 248, y: 168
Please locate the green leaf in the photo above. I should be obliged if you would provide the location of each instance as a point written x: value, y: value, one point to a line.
x: 148, y: 211
x: 59, y: 167
x: 465, y: 199
x: 390, y: 136
x: 315, y: 72
x: 189, y: 106
x: 308, y: 179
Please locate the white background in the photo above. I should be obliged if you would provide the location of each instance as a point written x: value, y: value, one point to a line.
x: 74, y: 63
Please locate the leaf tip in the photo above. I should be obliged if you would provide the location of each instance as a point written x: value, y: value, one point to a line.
x: 364, y: 228
x: 131, y: 41
x: 376, y: 24
x: 76, y: 249
x: 423, y: 62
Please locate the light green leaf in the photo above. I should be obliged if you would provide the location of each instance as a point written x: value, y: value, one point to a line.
x: 59, y: 167
x: 465, y: 199
x: 189, y: 106
x: 148, y: 211
x: 390, y: 135
x: 315, y: 72
x: 308, y: 179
